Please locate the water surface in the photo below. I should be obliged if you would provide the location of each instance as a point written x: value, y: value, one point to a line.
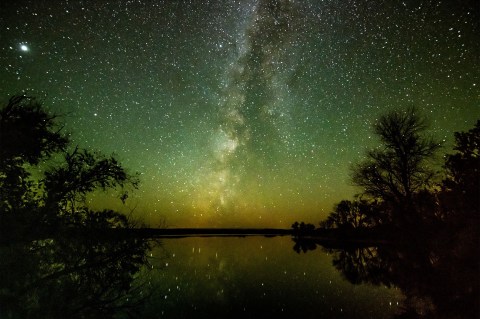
x: 256, y: 277
x: 90, y: 275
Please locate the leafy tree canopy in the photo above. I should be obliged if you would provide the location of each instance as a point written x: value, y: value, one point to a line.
x: 399, y: 168
x: 29, y: 135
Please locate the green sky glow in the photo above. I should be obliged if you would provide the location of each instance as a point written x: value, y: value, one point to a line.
x: 244, y: 113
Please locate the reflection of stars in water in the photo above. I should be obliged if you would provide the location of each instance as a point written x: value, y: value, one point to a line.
x: 203, y: 272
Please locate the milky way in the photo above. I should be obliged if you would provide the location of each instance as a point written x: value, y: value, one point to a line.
x: 252, y: 108
x: 240, y: 113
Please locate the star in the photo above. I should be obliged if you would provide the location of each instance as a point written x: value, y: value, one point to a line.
x: 259, y: 110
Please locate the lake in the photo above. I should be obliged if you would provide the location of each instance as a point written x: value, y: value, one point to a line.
x: 94, y: 275
x: 256, y: 277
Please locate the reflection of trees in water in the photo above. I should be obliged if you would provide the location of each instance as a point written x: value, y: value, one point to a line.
x: 75, y: 277
x: 362, y: 265
x: 436, y: 284
x: 304, y: 244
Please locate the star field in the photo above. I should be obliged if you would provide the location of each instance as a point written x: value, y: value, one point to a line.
x: 240, y: 113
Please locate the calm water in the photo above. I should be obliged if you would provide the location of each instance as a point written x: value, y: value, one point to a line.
x: 256, y: 277
x: 84, y: 276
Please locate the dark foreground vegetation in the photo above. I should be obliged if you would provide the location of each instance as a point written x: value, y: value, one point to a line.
x: 44, y: 180
x: 415, y: 225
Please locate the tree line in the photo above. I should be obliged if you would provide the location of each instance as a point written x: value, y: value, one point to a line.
x: 402, y: 187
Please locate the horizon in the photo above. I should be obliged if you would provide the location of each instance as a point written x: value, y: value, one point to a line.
x: 251, y: 117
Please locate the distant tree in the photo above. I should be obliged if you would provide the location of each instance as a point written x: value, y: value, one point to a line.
x: 302, y: 227
x: 309, y: 227
x: 327, y: 223
x: 399, y: 168
x: 295, y: 226
x: 353, y: 214
x: 461, y: 187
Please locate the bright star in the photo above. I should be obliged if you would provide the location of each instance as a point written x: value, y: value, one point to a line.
x: 24, y: 47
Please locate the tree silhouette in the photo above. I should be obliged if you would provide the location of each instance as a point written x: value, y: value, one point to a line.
x: 81, y: 173
x: 353, y: 214
x: 461, y: 187
x: 398, y: 169
x: 302, y: 228
x: 29, y: 135
x: 295, y: 226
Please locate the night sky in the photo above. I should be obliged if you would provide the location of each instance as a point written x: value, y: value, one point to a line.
x: 240, y: 113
